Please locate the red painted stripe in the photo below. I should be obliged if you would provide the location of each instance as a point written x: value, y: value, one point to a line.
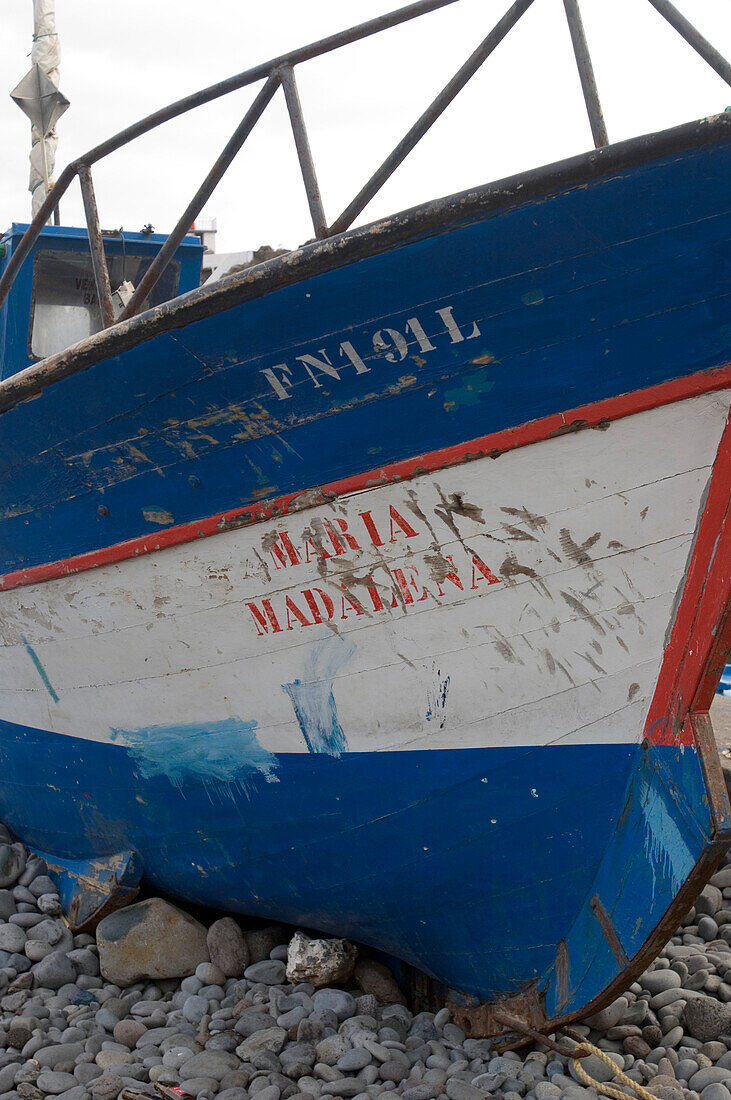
x: 700, y: 633
x: 584, y: 416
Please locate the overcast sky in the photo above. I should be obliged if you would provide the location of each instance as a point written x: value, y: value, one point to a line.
x: 524, y: 108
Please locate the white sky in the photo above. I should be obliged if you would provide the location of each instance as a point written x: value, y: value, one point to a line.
x: 524, y: 108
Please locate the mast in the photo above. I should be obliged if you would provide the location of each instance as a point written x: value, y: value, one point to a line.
x: 38, y: 97
x: 46, y: 54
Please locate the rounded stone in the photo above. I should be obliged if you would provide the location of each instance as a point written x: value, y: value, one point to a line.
x: 354, y: 1060
x: 335, y: 1000
x: 54, y: 971
x: 715, y: 1091
x: 268, y: 972
x: 657, y: 981
x: 51, y: 1081
x: 709, y: 1075
x: 393, y: 1071
x: 127, y: 1032
x: 151, y: 939
x: 609, y: 1016
x: 107, y: 1087
x: 12, y: 864
x: 596, y: 1068
x: 194, y: 1008
x: 706, y: 1019
x: 227, y: 947
x: 12, y: 938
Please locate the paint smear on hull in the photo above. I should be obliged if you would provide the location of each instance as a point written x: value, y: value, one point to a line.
x: 225, y: 756
x: 313, y: 698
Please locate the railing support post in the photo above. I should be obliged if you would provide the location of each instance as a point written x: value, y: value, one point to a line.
x: 201, y: 197
x: 96, y: 246
x: 694, y: 38
x: 586, y: 73
x: 431, y: 114
x: 304, y: 153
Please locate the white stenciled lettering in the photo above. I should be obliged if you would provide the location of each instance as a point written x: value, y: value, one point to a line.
x: 347, y: 349
x: 280, y: 384
x: 413, y: 325
x: 312, y: 363
x: 399, y: 347
x: 391, y: 344
x: 453, y: 328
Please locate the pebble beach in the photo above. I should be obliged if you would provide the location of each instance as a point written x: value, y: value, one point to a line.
x: 78, y: 1022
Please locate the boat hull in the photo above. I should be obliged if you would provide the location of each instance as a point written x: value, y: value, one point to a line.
x: 389, y: 601
x: 440, y: 683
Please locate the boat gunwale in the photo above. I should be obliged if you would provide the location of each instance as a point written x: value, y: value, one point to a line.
x: 318, y: 257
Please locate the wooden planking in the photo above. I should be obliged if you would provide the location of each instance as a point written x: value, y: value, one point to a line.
x: 169, y: 638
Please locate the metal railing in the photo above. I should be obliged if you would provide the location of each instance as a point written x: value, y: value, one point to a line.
x: 280, y: 72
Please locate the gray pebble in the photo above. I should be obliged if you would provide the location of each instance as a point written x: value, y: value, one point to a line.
x: 107, y: 1087
x: 335, y: 1000
x: 657, y: 981
x: 715, y: 1091
x: 55, y: 1082
x: 708, y: 1076
x: 268, y: 972
x: 54, y: 970
x: 461, y: 1090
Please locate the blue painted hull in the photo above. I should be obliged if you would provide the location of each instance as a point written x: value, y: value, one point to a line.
x: 382, y: 829
x: 593, y: 292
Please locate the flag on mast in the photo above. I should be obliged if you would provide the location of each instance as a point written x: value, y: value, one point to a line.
x: 38, y: 96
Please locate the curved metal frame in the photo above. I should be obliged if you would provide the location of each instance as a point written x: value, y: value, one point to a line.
x: 280, y: 71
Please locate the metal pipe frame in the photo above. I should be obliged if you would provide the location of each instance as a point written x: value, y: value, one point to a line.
x: 198, y: 99
x: 96, y: 247
x: 280, y: 70
x: 694, y: 38
x: 201, y: 197
x: 586, y: 73
x: 430, y: 115
x: 286, y: 75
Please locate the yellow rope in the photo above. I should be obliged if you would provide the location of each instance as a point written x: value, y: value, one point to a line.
x: 608, y: 1090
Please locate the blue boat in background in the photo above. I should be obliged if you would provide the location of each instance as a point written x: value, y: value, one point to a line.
x: 383, y: 587
x: 724, y: 684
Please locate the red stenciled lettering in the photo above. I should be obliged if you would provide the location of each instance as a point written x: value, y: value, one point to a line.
x: 371, y: 528
x: 277, y: 551
x: 397, y: 520
x: 406, y: 585
x: 352, y: 605
x: 293, y: 612
x: 375, y: 598
x: 262, y: 623
x: 344, y: 534
x: 332, y: 535
x: 478, y: 565
x: 309, y: 595
x: 317, y: 551
x: 453, y: 576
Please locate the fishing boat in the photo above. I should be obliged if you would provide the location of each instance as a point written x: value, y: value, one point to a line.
x: 383, y: 587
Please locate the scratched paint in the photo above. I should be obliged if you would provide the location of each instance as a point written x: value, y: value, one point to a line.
x: 222, y: 755
x: 667, y: 851
x: 542, y: 649
x: 313, y: 696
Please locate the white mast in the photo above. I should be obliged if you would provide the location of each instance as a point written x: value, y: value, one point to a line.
x: 46, y: 53
x: 38, y: 97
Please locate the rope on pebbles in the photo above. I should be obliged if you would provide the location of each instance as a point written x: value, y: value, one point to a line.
x: 607, y: 1090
